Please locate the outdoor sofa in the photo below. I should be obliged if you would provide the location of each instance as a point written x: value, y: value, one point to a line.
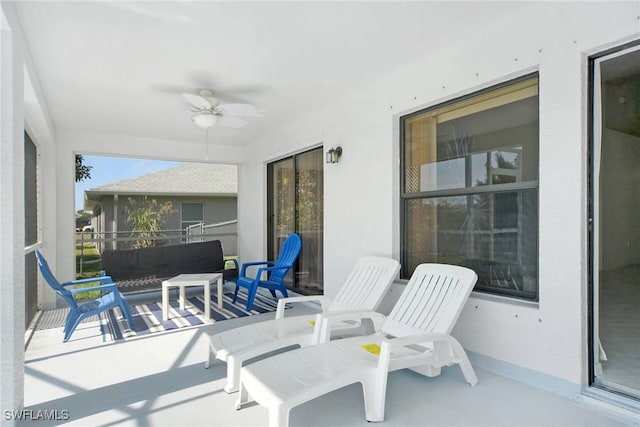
x: 144, y: 269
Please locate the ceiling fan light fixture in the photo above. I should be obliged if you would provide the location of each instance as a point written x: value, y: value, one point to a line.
x: 205, y: 120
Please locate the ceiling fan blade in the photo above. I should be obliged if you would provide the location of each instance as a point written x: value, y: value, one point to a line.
x: 238, y: 109
x: 232, y: 122
x: 197, y: 101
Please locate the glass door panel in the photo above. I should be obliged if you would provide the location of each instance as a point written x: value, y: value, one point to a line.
x: 281, y: 207
x: 295, y: 204
x: 309, y: 213
x: 616, y: 231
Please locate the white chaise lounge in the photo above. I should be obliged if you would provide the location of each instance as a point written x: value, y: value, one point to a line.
x: 415, y: 336
x: 363, y: 290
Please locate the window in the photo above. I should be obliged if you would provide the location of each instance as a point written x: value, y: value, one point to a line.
x: 30, y: 228
x: 469, y: 187
x: 191, y: 213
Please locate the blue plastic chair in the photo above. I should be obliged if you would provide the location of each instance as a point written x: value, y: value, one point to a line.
x: 111, y: 297
x: 276, y: 270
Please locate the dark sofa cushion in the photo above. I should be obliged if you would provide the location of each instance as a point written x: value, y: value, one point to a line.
x: 195, y: 258
x: 132, y: 263
x: 163, y: 261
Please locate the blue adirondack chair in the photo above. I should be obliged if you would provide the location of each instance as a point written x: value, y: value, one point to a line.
x: 276, y: 271
x: 110, y: 298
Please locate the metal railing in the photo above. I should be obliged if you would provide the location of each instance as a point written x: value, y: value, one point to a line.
x: 198, y: 232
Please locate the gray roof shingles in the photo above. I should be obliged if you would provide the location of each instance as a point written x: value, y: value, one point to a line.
x: 188, y: 178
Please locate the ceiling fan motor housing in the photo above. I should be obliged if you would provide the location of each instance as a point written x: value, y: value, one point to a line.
x: 205, y: 119
x: 208, y: 111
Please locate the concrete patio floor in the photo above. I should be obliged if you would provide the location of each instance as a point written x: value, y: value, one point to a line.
x: 160, y: 380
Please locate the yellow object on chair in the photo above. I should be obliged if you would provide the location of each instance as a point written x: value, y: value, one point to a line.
x: 372, y: 348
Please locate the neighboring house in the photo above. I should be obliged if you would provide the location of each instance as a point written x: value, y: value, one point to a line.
x: 198, y: 192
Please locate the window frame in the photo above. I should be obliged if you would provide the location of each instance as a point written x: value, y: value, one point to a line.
x: 405, y: 197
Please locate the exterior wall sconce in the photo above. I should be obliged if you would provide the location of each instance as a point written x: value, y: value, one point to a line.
x: 333, y: 155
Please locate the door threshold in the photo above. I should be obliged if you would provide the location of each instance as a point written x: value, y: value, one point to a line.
x: 616, y: 405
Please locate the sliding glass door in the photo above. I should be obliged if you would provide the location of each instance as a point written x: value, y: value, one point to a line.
x: 295, y: 205
x: 615, y: 231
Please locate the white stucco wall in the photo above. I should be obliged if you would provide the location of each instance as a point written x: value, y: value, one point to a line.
x: 12, y: 278
x: 38, y: 124
x: 361, y: 192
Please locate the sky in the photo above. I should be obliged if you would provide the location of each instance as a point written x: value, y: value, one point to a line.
x: 107, y: 170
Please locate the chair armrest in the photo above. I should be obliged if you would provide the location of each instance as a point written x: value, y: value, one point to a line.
x: 323, y: 300
x: 417, y: 339
x: 101, y: 279
x: 108, y: 286
x: 325, y: 321
x: 250, y: 264
x: 446, y: 351
x: 268, y: 269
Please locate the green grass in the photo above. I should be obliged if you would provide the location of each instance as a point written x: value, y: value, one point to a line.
x: 91, y: 267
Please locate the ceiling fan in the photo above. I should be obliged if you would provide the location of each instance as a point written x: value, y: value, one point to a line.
x: 208, y: 111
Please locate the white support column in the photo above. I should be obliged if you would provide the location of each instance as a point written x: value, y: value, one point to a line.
x: 12, y: 298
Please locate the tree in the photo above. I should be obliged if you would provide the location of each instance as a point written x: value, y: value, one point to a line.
x: 82, y: 171
x: 83, y: 215
x: 147, y: 217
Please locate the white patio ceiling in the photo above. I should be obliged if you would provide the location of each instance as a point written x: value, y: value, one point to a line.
x: 119, y: 67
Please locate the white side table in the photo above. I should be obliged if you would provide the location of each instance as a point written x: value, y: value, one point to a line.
x: 183, y: 281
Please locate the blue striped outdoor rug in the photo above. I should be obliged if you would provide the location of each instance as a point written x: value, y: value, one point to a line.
x: 147, y: 318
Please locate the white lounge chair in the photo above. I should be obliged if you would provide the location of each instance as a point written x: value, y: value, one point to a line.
x: 363, y: 290
x: 415, y: 336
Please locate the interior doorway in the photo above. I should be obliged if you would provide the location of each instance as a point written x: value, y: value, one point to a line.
x: 615, y: 243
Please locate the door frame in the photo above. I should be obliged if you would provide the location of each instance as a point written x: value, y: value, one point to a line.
x: 594, y: 135
x: 270, y: 216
